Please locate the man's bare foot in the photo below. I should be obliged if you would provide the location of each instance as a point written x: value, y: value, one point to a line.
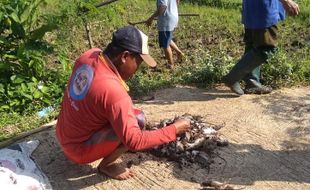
x: 117, y: 172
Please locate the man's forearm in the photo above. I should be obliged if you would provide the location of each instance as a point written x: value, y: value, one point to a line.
x: 160, y: 11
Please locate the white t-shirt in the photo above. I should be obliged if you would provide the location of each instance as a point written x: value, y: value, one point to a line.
x: 169, y: 20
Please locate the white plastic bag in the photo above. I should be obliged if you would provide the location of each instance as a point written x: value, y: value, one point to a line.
x: 18, y: 171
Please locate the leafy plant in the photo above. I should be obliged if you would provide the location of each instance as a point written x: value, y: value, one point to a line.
x: 217, y: 3
x: 22, y: 66
x: 278, y: 71
x: 208, y: 69
x: 282, y: 71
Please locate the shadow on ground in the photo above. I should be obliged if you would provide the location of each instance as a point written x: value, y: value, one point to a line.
x: 238, y: 164
x: 244, y: 165
x: 62, y: 173
x: 290, y: 108
x: 183, y: 93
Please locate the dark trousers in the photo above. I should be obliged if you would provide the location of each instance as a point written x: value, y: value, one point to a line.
x: 259, y: 45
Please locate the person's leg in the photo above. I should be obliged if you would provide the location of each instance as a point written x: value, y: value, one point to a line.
x: 236, y: 87
x: 103, y: 144
x: 249, y: 61
x: 113, y: 170
x: 164, y: 38
x: 245, y: 65
x: 264, y: 40
x: 249, y: 45
x: 253, y: 84
x: 106, y: 145
x: 107, y: 165
x: 169, y: 56
x: 180, y: 54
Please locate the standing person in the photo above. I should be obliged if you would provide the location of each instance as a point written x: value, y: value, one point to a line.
x: 260, y: 18
x: 97, y: 119
x: 167, y: 13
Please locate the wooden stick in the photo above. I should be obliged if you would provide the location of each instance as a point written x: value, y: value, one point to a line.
x: 134, y: 23
x: 88, y: 33
x: 180, y: 14
x: 99, y: 5
x: 27, y: 133
x: 188, y: 14
x: 86, y: 25
x: 105, y: 3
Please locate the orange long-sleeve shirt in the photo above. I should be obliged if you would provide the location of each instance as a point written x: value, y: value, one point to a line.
x: 95, y: 99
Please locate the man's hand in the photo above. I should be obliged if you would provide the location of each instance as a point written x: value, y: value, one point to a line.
x: 290, y: 7
x: 181, y: 125
x: 149, y: 21
x: 160, y: 11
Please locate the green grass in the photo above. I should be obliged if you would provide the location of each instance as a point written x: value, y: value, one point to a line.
x: 212, y: 43
x: 12, y: 124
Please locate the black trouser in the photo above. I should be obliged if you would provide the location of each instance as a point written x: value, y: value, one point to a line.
x: 259, y: 44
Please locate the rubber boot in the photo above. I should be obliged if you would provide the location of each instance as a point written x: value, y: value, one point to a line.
x: 249, y: 61
x: 236, y: 88
x: 254, y: 75
x: 257, y: 88
x: 252, y: 80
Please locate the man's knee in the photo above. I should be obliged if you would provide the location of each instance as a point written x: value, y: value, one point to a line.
x: 140, y: 117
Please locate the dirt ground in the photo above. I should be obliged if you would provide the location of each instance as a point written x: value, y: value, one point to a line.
x: 269, y: 146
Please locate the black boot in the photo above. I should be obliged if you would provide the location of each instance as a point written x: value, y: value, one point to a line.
x: 254, y: 87
x: 236, y: 88
x: 254, y: 75
x: 246, y: 64
x: 249, y: 61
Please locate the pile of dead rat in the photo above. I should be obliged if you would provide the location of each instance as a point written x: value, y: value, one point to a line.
x: 195, y: 146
